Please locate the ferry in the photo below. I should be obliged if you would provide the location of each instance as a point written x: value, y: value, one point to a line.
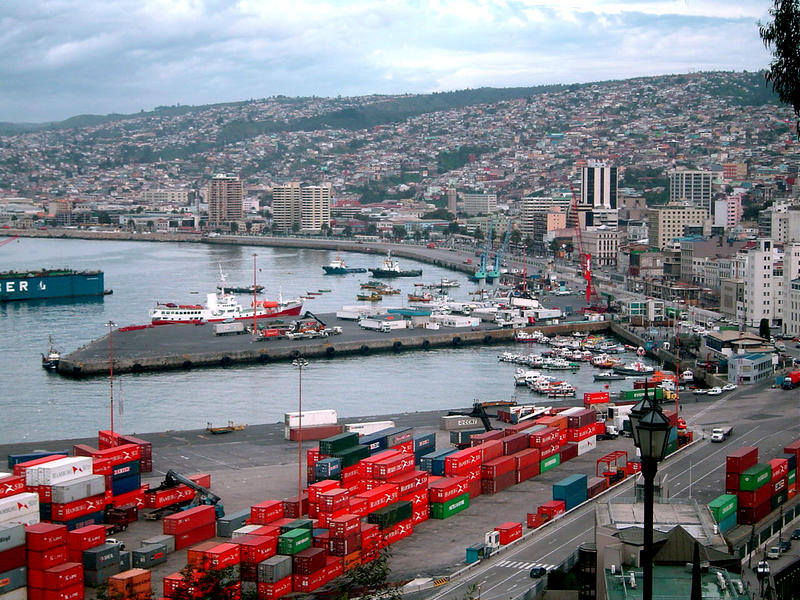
x: 222, y: 306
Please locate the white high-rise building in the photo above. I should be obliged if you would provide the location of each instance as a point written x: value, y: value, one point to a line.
x: 479, y: 204
x: 303, y: 208
x: 599, y: 185
x: 691, y: 187
x: 760, y: 291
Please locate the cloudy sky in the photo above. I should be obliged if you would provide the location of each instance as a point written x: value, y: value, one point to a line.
x: 68, y: 57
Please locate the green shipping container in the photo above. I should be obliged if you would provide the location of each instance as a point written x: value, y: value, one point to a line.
x: 754, y: 477
x: 294, y: 541
x: 549, y: 463
x: 792, y: 477
x: 443, y: 510
x: 391, y: 515
x: 337, y: 443
x: 723, y: 506
x: 671, y: 447
x: 351, y: 456
x: 657, y: 393
x: 298, y: 524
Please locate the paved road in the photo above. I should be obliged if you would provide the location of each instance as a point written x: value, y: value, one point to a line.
x: 762, y: 417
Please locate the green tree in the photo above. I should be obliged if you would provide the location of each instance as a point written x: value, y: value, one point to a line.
x: 515, y: 237
x: 398, y: 232
x: 477, y: 234
x: 103, y: 217
x: 763, y: 329
x: 452, y: 227
x: 234, y: 227
x: 782, y: 37
x: 150, y: 225
x: 417, y: 235
x: 369, y: 581
x: 295, y: 227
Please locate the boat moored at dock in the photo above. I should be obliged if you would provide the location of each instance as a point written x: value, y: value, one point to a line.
x: 44, y: 284
x: 222, y: 306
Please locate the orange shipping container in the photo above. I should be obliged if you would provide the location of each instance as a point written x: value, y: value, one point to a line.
x: 134, y: 583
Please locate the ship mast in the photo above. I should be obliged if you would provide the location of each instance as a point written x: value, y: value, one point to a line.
x: 255, y: 301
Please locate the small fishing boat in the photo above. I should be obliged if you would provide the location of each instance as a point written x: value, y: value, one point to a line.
x: 608, y: 376
x: 373, y: 297
x: 51, y: 359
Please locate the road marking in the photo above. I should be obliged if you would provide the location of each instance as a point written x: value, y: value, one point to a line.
x: 524, y: 566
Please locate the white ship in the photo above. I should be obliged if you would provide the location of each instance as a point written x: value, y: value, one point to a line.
x: 222, y: 306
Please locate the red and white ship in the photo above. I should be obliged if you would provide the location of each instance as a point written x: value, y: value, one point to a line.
x: 223, y: 306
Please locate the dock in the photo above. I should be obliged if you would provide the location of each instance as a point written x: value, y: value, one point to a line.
x: 185, y: 347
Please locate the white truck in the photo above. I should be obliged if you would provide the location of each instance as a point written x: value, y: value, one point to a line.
x: 720, y: 434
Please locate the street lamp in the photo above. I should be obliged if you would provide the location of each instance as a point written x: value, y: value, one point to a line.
x: 111, y: 326
x: 650, y: 430
x: 300, y: 363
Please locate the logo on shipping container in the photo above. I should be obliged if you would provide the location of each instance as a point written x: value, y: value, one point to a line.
x: 21, y: 506
x: 779, y: 485
x: 5, y: 581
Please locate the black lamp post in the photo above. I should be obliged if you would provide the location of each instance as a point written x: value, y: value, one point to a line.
x: 650, y: 430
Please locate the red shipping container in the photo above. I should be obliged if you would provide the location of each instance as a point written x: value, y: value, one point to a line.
x: 12, y: 558
x: 79, y: 508
x: 203, y: 479
x: 266, y: 512
x: 370, y: 536
x: 410, y: 481
x: 63, y: 576
x: 86, y: 537
x: 749, y: 516
x: 101, y: 466
x: 272, y: 591
x: 341, y: 546
x: 402, y: 530
x: 73, y: 592
x: 188, y: 520
x: 381, y: 496
x: 526, y: 473
x: 255, y: 548
x: 731, y: 481
x: 490, y: 450
x: 518, y: 427
x: 324, y: 518
x: 349, y: 475
x: 333, y: 500
x: 462, y: 461
x: 334, y: 566
x: 313, y: 510
x: 393, y: 466
x: 10, y: 486
x: 107, y: 439
x: 20, y: 468
x: 308, y: 561
x: 553, y: 508
x: 309, y: 583
x: 509, y: 532
x: 315, y: 432
x: 581, y: 419
x: 418, y: 515
x: 562, y: 437
x: 672, y: 416
x: 543, y: 438
x: 162, y: 498
x: 365, y: 465
x: 195, y: 555
x: 755, y: 497
x: 499, y: 483
x: 595, y: 398
x: 406, y: 447
x: 568, y: 451
x: 45, y: 492
x: 475, y: 488
x: 194, y: 536
x: 447, y: 488
x: 477, y: 439
x: 514, y: 443
x: 497, y: 467
x: 174, y: 583
x: 222, y: 556
x: 320, y: 486
x: 596, y: 485
x: 320, y: 540
x: 780, y: 468
x: 47, y: 558
x: 43, y: 536
x: 120, y: 454
x: 295, y: 507
x: 358, y: 505
x: 344, y: 526
x: 473, y: 475
x: 549, y: 450
x: 582, y: 433
x: 526, y: 458
x: 416, y: 498
x: 793, y: 448
x: 557, y: 421
x: 134, y: 498
x: 741, y: 460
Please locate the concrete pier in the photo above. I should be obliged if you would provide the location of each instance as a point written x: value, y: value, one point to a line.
x: 167, y: 347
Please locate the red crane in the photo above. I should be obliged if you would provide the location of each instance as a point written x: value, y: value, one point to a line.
x: 585, y: 258
x: 8, y: 240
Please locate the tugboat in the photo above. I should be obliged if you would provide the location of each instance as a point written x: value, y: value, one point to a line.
x: 608, y: 376
x: 337, y: 267
x: 391, y: 268
x: 373, y: 297
x: 51, y: 359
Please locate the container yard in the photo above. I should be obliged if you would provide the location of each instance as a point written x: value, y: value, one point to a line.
x: 185, y: 346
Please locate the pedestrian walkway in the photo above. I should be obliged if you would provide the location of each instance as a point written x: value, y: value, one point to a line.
x: 524, y: 566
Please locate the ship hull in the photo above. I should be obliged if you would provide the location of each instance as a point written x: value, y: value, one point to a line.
x: 15, y: 287
x: 385, y: 274
x: 342, y: 270
x: 289, y: 312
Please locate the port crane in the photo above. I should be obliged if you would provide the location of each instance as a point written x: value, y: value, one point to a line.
x: 481, y: 272
x: 498, y: 257
x: 585, y: 260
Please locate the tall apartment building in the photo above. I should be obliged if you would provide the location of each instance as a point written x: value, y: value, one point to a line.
x: 599, y: 185
x: 602, y: 243
x: 452, y: 201
x: 305, y: 208
x: 691, y: 187
x: 164, y: 196
x: 532, y: 210
x: 225, y: 200
x: 479, y: 204
x: 785, y: 222
x: 669, y: 222
x: 760, y: 298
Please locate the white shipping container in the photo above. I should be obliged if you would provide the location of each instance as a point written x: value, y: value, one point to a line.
x: 244, y: 530
x: 456, y: 321
x: 311, y: 418
x: 587, y: 445
x: 78, y: 489
x: 570, y: 411
x: 457, y: 422
x: 2, y: 475
x: 61, y: 471
x: 18, y: 505
x: 17, y: 594
x: 369, y: 427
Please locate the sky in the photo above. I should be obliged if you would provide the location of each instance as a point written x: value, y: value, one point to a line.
x: 62, y: 58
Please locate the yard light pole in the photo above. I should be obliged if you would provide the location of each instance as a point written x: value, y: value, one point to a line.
x: 300, y: 363
x: 650, y: 430
x: 111, y: 326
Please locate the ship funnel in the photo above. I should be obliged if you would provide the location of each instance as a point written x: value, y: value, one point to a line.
x: 211, y: 300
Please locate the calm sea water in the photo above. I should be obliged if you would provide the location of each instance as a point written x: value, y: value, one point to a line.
x: 37, y: 405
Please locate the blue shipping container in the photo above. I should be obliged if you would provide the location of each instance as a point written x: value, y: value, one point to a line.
x: 791, y: 459
x: 45, y: 511
x: 15, y: 459
x: 328, y: 467
x: 125, y: 469
x: 426, y: 461
x: 570, y: 486
x: 375, y: 441
x: 96, y: 518
x: 574, y: 500
x: 673, y: 434
x: 727, y: 523
x: 424, y: 442
x: 125, y: 485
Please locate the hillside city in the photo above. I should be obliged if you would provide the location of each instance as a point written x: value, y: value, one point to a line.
x: 682, y: 186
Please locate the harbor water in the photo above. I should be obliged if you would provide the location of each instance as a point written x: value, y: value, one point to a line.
x: 38, y: 405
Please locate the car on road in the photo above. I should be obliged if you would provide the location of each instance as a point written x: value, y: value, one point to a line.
x: 762, y: 569
x: 785, y: 546
x: 796, y: 534
x: 715, y: 391
x: 538, y: 572
x: 729, y: 387
x: 116, y: 542
x: 773, y: 553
